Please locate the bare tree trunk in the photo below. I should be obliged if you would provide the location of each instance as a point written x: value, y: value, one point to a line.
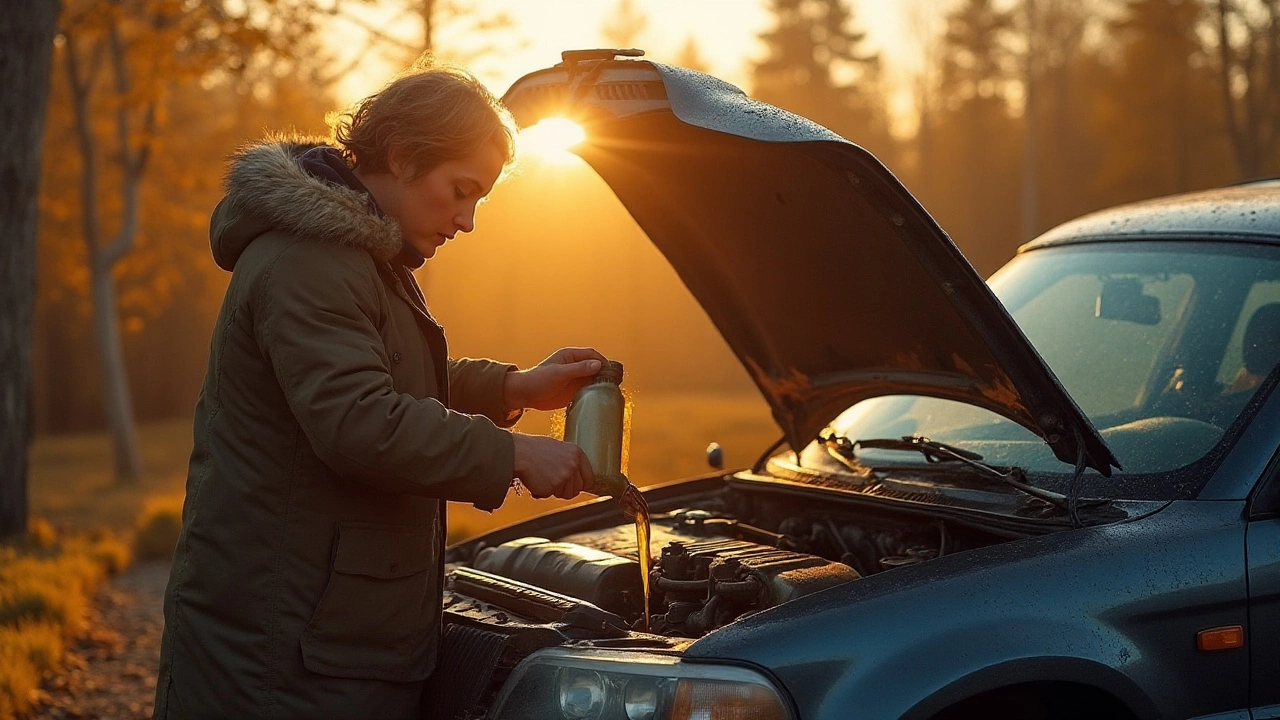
x: 1271, y: 91
x: 428, y: 25
x: 1239, y: 132
x: 115, y: 379
x: 1183, y: 142
x: 922, y: 28
x: 26, y: 34
x: 102, y: 258
x: 1031, y: 133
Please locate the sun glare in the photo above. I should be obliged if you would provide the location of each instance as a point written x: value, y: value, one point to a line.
x: 552, y: 138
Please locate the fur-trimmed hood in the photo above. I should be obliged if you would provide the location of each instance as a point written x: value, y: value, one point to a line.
x: 267, y: 189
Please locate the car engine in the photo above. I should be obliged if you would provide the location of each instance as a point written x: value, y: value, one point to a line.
x: 717, y: 556
x: 709, y: 568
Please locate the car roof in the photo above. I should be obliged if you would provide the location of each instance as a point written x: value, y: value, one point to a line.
x: 1248, y: 212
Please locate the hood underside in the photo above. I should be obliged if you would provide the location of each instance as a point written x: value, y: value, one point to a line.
x: 824, y: 274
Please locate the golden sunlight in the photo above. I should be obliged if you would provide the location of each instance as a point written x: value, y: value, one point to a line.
x: 552, y: 138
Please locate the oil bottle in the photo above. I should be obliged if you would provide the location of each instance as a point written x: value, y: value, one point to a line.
x: 594, y: 422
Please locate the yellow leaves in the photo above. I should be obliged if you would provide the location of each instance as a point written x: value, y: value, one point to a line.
x: 27, y: 651
x: 45, y: 587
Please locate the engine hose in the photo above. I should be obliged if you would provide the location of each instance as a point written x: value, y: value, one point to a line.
x: 727, y: 587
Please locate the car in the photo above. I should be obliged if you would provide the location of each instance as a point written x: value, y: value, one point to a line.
x: 1055, y: 493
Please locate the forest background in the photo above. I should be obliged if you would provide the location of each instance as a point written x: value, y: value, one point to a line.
x: 1017, y: 115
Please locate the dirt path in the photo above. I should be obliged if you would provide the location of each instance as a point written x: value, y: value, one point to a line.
x: 111, y: 673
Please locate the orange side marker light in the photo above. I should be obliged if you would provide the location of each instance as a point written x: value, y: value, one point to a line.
x: 1220, y: 638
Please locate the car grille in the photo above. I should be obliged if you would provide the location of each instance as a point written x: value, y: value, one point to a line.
x: 464, y: 668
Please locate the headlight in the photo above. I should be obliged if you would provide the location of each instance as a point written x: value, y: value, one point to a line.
x: 564, y: 684
x: 582, y: 694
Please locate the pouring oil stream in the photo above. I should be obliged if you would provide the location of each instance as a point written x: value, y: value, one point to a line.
x: 598, y: 421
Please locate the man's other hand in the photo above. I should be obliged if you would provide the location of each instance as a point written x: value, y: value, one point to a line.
x: 550, y: 467
x: 552, y: 383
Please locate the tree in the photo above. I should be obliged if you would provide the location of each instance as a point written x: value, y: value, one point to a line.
x: 1062, y: 61
x: 1248, y: 59
x: 691, y: 57
x: 816, y: 67
x: 1158, y: 112
x: 625, y: 27
x: 975, y: 136
x: 145, y: 47
x: 168, y: 288
x: 459, y: 17
x: 134, y: 153
x: 979, y: 62
x: 925, y: 29
x: 26, y: 33
x: 1030, y: 122
x: 448, y: 18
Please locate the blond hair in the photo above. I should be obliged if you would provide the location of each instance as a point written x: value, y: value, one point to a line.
x: 436, y: 113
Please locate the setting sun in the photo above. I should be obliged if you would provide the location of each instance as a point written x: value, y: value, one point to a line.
x: 551, y: 139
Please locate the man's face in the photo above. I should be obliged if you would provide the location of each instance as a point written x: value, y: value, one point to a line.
x: 440, y: 203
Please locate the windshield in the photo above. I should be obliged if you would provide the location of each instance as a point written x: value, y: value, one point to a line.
x: 1161, y: 344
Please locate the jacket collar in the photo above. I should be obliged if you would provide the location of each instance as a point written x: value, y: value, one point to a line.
x: 267, y: 188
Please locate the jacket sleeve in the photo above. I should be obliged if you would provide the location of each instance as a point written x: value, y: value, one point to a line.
x: 316, y: 317
x: 475, y: 386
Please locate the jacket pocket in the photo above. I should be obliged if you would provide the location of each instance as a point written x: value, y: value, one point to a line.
x: 377, y: 618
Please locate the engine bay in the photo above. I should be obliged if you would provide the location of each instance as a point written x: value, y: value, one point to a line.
x: 722, y: 548
x: 714, y: 561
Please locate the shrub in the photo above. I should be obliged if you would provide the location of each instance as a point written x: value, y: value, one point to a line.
x: 28, y: 650
x: 46, y: 583
x: 110, y: 552
x: 52, y: 589
x: 41, y: 534
x: 158, y: 527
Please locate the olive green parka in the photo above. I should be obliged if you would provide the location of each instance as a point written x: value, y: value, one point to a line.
x: 331, y: 428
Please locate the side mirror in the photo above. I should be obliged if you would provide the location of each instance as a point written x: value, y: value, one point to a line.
x: 1123, y: 299
x: 715, y: 456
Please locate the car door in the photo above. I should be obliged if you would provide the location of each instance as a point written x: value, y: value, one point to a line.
x: 1262, y: 547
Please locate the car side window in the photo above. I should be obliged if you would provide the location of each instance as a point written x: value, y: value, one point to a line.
x: 1233, y: 373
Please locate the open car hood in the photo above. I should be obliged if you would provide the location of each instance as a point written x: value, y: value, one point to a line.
x: 826, y: 277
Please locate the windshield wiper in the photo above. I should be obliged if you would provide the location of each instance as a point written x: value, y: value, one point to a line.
x: 933, y: 450
x: 844, y: 449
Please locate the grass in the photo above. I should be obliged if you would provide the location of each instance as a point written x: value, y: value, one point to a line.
x: 28, y: 651
x: 73, y: 486
x: 79, y: 534
x: 47, y: 581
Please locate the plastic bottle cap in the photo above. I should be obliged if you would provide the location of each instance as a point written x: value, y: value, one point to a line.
x: 611, y: 371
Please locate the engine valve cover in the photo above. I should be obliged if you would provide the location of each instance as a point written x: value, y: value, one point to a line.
x: 598, y: 577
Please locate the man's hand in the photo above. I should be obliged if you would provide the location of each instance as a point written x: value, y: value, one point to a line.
x: 552, y: 383
x: 547, y: 466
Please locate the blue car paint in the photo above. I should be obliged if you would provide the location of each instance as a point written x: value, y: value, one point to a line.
x: 1116, y: 607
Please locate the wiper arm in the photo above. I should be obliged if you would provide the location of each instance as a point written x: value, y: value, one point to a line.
x: 932, y: 450
x: 935, y: 452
